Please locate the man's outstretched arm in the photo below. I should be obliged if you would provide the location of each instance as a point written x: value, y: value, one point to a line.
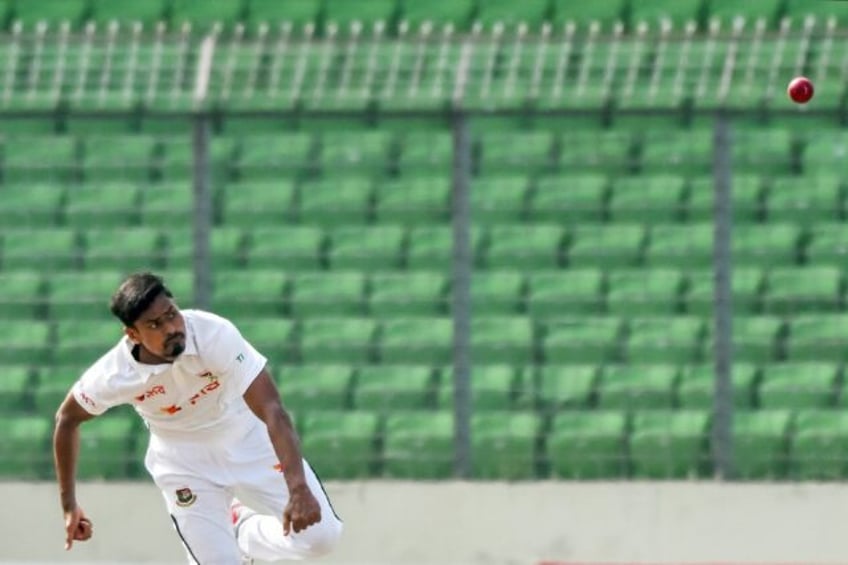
x: 65, y: 454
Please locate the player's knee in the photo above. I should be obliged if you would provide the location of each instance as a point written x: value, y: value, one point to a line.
x: 327, y: 538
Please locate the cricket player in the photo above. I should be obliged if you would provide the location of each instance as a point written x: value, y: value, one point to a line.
x: 222, y: 448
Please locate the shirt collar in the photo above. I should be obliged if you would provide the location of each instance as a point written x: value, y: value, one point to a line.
x: 147, y: 370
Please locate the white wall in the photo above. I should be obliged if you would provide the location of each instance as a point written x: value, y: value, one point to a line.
x: 399, y: 523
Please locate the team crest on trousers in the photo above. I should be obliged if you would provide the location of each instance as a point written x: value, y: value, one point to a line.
x: 185, y: 497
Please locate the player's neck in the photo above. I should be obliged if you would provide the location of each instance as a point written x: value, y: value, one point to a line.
x: 142, y: 355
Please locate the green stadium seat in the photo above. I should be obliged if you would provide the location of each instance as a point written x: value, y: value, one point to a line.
x: 49, y: 11
x: 569, y: 198
x: 343, y: 12
x: 31, y: 205
x: 604, y: 12
x: 273, y: 337
x: 553, y: 294
x: 817, y: 338
x: 15, y: 389
x: 144, y: 11
x: 431, y: 247
x: 606, y: 246
x: 819, y: 445
x: 341, y: 445
x: 205, y: 14
x: 21, y: 295
x: 756, y: 339
x: 118, y: 158
x: 167, y: 204
x: 644, y: 292
x: 428, y: 151
x: 417, y: 341
x: 414, y: 201
x: 809, y: 289
x: 252, y: 293
x: 502, y: 339
x: 106, y: 446
x: 531, y: 151
x: 828, y: 244
x: 40, y: 250
x: 81, y: 342
x: 181, y: 284
x: 802, y: 385
x: 346, y: 153
x: 747, y: 195
x: 258, y: 203
x: 274, y: 12
x: 29, y: 159
x: 496, y: 292
x: 81, y: 295
x: 588, y: 445
x: 530, y: 246
x: 337, y: 340
x: 498, y: 199
x: 696, y: 389
x: 102, y: 205
x: 687, y: 151
x: 337, y: 201
x: 582, y: 340
x: 492, y: 387
x: 760, y: 443
x: 295, y: 248
x: 366, y: 248
x: 765, y: 245
x: 315, y: 387
x: 669, y: 444
x: 647, y: 199
x: 418, y: 445
x: 763, y: 148
x: 746, y: 286
x: 665, y: 340
x: 327, y: 294
x: 54, y: 383
x: 503, y: 445
x: 597, y: 151
x: 824, y: 151
x: 387, y: 388
x: 727, y: 10
x: 807, y: 200
x: 175, y: 155
x: 492, y: 12
x: 128, y: 249
x: 226, y: 247
x: 567, y: 386
x: 420, y: 293
x: 25, y: 446
x: 798, y: 10
x: 272, y: 156
x: 637, y: 387
x: 679, y: 12
x: 456, y: 12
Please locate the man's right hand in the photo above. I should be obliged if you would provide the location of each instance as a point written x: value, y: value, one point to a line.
x: 77, y: 527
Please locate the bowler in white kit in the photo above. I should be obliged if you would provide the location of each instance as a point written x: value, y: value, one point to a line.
x: 222, y: 448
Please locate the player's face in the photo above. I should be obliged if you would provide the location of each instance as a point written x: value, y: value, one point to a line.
x: 160, y: 329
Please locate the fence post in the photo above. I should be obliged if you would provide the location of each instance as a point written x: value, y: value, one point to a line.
x: 722, y: 430
x: 202, y: 211
x: 461, y: 268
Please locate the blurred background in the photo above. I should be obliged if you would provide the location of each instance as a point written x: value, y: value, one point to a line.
x: 480, y: 239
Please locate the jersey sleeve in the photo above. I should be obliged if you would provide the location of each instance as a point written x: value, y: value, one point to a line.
x: 230, y: 355
x: 96, y: 392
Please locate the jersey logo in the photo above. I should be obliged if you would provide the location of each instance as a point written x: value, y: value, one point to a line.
x: 185, y: 497
x: 87, y: 399
x: 170, y: 410
x: 240, y: 357
x: 156, y: 390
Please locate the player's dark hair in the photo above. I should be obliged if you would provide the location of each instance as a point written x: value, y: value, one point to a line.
x: 135, y: 295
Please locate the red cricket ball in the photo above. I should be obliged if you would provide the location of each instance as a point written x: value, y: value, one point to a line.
x: 800, y: 90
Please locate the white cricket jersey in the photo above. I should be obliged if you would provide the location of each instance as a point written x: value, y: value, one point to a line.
x: 201, y: 392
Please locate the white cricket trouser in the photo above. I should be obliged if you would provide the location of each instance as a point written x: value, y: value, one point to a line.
x: 199, y: 480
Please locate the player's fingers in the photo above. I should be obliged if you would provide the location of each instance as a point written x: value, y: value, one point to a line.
x: 84, y: 531
x: 71, y: 525
x: 287, y: 522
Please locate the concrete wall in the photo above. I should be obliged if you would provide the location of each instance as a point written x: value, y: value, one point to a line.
x: 445, y: 523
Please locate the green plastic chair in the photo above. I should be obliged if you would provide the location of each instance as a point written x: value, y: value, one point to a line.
x: 421, y: 293
x: 746, y: 286
x: 644, y: 292
x: 258, y: 203
x: 588, y: 445
x: 760, y: 443
x: 258, y: 293
x: 387, y: 388
x: 531, y: 246
x: 431, y: 247
x: 817, y: 338
x: 273, y: 12
x: 527, y: 150
x: 25, y: 447
x: 747, y: 194
x: 417, y: 341
x: 756, y: 339
x: 341, y: 445
x: 167, y: 204
x: 726, y: 10
x: 828, y: 245
x: 418, y: 445
x: 582, y: 340
x: 679, y: 12
x: 337, y: 340
x: 348, y: 153
x: 81, y: 295
x: 503, y: 445
x: 24, y: 341
x: 665, y: 340
x: 500, y: 339
x: 270, y: 156
x: 605, y: 12
x: 343, y: 12
x: 21, y: 295
x: 29, y: 159
x: 44, y: 250
x: 795, y: 386
x: 806, y: 290
x: 366, y: 248
x: 765, y: 245
x: 572, y: 292
x: 273, y: 337
x: 498, y: 199
x: 106, y: 446
x: 577, y: 198
x: 696, y: 389
x: 15, y: 389
x: 496, y: 293
x: 31, y: 205
x: 144, y: 11
x: 647, y: 199
x: 50, y: 11
x: 327, y: 294
x: 115, y: 158
x: 567, y: 386
x: 104, y: 205
x: 338, y: 201
x: 226, y: 247
x: 414, y: 201
x: 637, y: 387
x: 80, y: 342
x: 805, y: 200
x: 687, y: 151
x: 768, y: 147
x: 54, y: 383
x: 819, y: 445
x: 669, y: 444
x: 128, y: 249
x: 606, y: 246
x: 295, y: 248
x: 204, y: 15
x: 430, y: 151
x: 315, y: 387
x: 456, y: 12
x: 492, y: 387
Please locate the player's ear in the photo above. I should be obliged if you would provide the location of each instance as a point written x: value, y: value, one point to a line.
x: 132, y: 333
